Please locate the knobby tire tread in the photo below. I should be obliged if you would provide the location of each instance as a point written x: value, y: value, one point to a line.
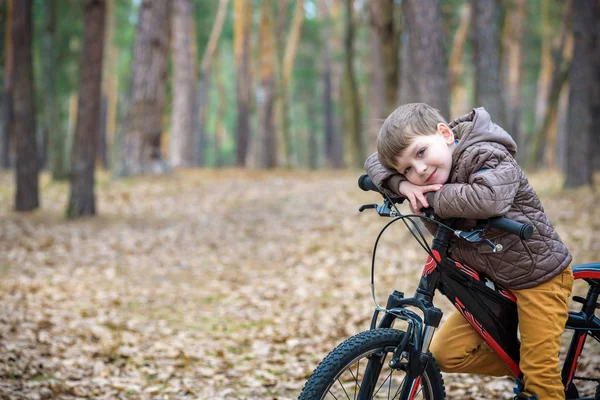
x: 355, y: 346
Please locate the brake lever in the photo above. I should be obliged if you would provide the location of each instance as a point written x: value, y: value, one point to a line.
x: 475, y: 237
x: 366, y: 207
x: 383, y: 210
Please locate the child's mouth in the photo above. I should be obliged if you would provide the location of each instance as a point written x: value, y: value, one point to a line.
x: 431, y: 176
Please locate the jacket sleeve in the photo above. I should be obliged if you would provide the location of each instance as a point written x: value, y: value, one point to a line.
x: 387, y: 180
x: 490, y: 189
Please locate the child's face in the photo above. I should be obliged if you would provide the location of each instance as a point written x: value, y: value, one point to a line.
x: 428, y: 159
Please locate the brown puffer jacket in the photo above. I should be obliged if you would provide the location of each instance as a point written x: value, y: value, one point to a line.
x: 486, y: 181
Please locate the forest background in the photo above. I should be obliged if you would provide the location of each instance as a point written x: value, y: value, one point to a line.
x: 188, y: 120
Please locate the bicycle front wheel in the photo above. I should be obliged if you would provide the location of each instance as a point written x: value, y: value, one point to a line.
x: 341, y: 375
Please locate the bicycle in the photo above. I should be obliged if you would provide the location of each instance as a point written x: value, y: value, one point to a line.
x: 397, y: 363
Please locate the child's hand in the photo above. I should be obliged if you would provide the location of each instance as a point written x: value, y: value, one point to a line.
x: 416, y: 195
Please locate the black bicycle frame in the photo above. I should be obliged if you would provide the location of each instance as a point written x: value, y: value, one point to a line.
x: 487, y: 306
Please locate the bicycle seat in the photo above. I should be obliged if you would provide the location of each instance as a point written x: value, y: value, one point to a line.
x: 589, y: 272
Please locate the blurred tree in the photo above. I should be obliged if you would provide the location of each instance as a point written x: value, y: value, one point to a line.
x: 143, y: 129
x: 381, y: 18
x: 307, y: 96
x: 242, y: 36
x: 286, y: 76
x: 354, y: 142
x: 6, y: 109
x: 82, y: 200
x: 579, y: 155
x: 220, y: 126
x: 458, y: 92
x: 544, y: 143
x: 595, y: 84
x: 267, y: 146
x: 333, y: 143
x: 184, y: 86
x: 485, y: 36
x: 110, y: 87
x: 428, y: 60
x: 23, y: 123
x: 56, y: 134
x: 203, y: 82
x: 513, y: 50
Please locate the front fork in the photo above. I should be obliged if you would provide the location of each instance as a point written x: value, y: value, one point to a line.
x: 414, y: 345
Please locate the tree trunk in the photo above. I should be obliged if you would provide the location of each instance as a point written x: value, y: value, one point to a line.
x: 142, y: 153
x: 110, y: 87
x: 203, y: 82
x: 220, y: 125
x: 184, y: 86
x: 545, y: 75
x: 429, y: 63
x: 267, y: 157
x: 543, y: 151
x: 595, y: 84
x: 23, y: 124
x: 579, y: 155
x: 514, y: 55
x: 485, y: 22
x: 326, y: 79
x: 458, y: 92
x: 6, y: 109
x: 381, y: 15
x: 82, y: 201
x: 376, y: 89
x: 288, y: 66
x: 352, y: 110
x: 242, y: 36
x: 56, y: 133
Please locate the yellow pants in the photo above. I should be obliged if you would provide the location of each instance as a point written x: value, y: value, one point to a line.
x: 542, y: 316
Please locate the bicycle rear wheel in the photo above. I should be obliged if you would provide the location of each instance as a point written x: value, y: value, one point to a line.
x: 340, y: 374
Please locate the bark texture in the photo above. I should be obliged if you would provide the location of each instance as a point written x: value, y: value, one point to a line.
x: 429, y: 63
x: 146, y: 104
x: 267, y: 148
x: 242, y: 36
x: 82, y: 200
x: 203, y: 83
x: 333, y: 146
x: 354, y: 142
x: 579, y: 155
x: 184, y: 86
x: 56, y: 135
x: 485, y: 25
x: 6, y: 108
x: 23, y: 124
x: 381, y: 17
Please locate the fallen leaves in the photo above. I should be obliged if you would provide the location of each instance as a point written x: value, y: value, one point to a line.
x: 211, y: 285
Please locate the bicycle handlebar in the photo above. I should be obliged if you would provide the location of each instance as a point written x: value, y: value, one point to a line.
x: 524, y: 231
x: 366, y: 184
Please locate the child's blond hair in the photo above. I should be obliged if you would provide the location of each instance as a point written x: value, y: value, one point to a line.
x: 402, y: 126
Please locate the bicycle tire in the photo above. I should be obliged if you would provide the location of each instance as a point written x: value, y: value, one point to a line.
x: 341, y: 359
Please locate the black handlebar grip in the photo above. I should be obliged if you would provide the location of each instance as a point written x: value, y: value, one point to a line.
x: 365, y: 183
x: 524, y: 231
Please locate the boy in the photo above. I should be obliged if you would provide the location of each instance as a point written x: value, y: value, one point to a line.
x: 466, y: 170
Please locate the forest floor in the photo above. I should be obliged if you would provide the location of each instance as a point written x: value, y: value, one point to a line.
x: 213, y: 284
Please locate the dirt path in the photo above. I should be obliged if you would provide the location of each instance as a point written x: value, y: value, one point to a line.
x: 228, y: 285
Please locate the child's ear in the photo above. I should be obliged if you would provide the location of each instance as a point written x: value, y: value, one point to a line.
x: 446, y: 132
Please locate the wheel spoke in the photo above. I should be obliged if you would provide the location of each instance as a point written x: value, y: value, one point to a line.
x: 343, y: 388
x: 399, y: 388
x: 383, y: 383
x: 355, y: 377
x: 390, y: 385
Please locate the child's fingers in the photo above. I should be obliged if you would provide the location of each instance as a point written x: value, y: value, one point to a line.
x: 422, y: 200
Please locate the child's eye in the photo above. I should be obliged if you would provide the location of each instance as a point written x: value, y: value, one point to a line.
x: 407, y: 170
x: 420, y: 153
